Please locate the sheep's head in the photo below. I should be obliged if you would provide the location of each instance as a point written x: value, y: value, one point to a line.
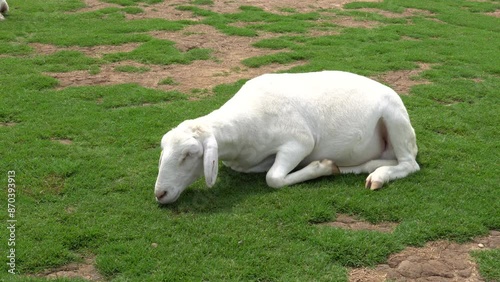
x: 186, y: 155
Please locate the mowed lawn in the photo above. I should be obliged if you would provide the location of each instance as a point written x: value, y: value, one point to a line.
x: 85, y: 157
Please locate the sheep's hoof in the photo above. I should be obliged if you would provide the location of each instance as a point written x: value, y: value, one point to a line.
x: 331, y: 167
x: 335, y: 169
x: 375, y: 185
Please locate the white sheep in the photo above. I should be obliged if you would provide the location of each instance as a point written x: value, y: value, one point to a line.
x: 4, y: 8
x: 296, y: 127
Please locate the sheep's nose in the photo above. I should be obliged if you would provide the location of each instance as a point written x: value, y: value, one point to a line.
x: 160, y: 194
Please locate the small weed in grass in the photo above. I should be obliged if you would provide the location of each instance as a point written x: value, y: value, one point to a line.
x: 132, y: 10
x: 202, y: 2
x: 168, y: 81
x: 288, y: 10
x: 200, y: 92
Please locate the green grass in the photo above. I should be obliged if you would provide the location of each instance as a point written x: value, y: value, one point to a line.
x: 95, y: 195
x: 128, y: 68
x: 202, y: 2
x: 488, y: 264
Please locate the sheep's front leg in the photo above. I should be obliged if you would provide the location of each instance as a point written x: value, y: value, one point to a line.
x: 286, y: 160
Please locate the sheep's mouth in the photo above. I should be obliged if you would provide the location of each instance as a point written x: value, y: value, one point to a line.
x: 168, y: 200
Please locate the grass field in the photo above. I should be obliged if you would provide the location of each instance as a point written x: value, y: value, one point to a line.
x: 85, y: 156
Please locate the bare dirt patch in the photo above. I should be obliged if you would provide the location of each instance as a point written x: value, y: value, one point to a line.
x: 62, y: 141
x: 495, y: 14
x: 345, y: 221
x: 166, y: 10
x: 402, y: 80
x: 436, y: 261
x: 94, y: 5
x: 85, y: 270
x: 94, y: 51
x: 186, y: 78
x: 351, y: 22
x: 410, y: 12
x: 8, y: 124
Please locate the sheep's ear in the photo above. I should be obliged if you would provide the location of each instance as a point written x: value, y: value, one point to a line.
x: 210, y: 160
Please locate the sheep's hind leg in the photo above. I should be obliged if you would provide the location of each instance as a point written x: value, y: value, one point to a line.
x: 369, y: 167
x: 402, y: 138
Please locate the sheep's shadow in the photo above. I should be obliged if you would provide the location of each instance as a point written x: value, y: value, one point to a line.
x: 234, y: 187
x: 230, y: 189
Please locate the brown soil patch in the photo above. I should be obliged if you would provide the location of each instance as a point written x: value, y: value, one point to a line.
x: 8, y: 124
x: 166, y: 10
x: 94, y: 51
x: 62, y: 141
x: 407, y: 12
x: 228, y: 52
x: 94, y: 5
x: 85, y: 270
x: 351, y: 22
x: 348, y: 222
x: 436, y: 261
x: 187, y: 78
x: 53, y: 184
x: 401, y: 81
x: 495, y: 14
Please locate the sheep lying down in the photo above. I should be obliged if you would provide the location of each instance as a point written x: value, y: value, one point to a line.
x: 295, y: 127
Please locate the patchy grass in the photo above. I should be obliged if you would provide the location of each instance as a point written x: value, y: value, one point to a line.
x: 128, y: 68
x: 132, y: 2
x: 160, y: 52
x: 202, y: 2
x: 256, y: 19
x: 94, y: 195
x: 168, y: 81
